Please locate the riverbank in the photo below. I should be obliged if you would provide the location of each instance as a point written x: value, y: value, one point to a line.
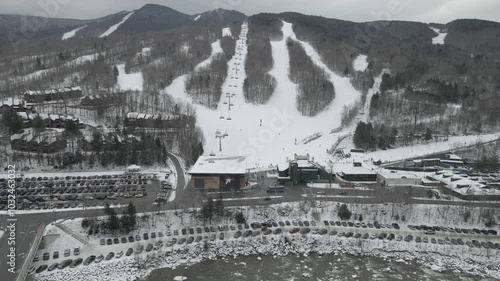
x: 460, y: 259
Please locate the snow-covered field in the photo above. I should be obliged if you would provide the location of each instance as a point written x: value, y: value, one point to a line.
x: 462, y: 258
x: 360, y: 63
x: 439, y: 39
x: 72, y: 33
x: 114, y: 27
x: 131, y: 81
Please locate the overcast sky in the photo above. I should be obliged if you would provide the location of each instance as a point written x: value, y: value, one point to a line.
x: 441, y: 11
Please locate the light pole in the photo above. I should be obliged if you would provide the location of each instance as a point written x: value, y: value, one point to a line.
x: 220, y: 136
x: 229, y: 96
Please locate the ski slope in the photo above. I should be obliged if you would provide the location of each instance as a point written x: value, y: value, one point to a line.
x: 177, y: 88
x: 72, y: 33
x: 439, y: 39
x: 131, y: 81
x: 114, y: 27
x: 226, y: 31
x: 360, y: 63
x: 282, y: 123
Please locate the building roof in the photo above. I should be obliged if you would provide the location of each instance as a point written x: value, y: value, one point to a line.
x: 399, y: 175
x: 220, y: 165
x: 352, y: 170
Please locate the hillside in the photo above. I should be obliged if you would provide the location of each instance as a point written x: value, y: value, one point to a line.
x: 218, y: 16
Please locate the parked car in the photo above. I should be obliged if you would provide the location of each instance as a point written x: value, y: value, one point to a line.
x: 99, y: 259
x: 76, y: 251
x: 110, y: 256
x: 67, y: 252
x: 53, y: 266
x: 89, y: 260
x: 149, y: 247
x: 55, y: 255
x: 41, y: 268
x: 129, y: 252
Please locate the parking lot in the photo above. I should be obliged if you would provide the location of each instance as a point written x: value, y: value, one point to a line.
x: 126, y: 245
x: 72, y: 191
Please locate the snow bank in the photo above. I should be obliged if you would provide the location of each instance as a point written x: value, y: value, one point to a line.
x: 114, y: 27
x: 428, y: 148
x: 439, y: 39
x: 72, y: 33
x: 360, y: 63
x: 131, y: 81
x: 226, y: 31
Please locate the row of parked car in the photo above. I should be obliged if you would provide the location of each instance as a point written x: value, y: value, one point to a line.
x: 62, y: 192
x: 434, y: 229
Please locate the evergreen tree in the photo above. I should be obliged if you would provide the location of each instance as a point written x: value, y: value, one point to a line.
x: 12, y: 121
x: 207, y: 212
x: 219, y: 207
x: 344, y: 213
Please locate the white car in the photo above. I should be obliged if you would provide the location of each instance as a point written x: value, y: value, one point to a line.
x: 119, y: 254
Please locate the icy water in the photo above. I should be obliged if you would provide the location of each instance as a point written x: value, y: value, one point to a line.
x: 313, y: 267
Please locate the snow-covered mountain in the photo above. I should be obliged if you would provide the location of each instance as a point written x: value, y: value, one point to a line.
x: 150, y: 17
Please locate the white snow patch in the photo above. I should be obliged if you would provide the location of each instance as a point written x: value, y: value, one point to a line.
x: 438, y: 40
x: 226, y: 31
x: 114, y: 27
x: 131, y: 81
x: 360, y: 63
x: 197, y: 18
x: 72, y: 33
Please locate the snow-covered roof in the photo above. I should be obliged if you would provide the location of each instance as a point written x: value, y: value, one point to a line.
x: 13, y: 101
x: 219, y: 165
x: 399, y: 175
x: 352, y: 170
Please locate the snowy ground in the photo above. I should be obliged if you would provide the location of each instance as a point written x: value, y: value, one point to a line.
x: 72, y: 33
x: 131, y: 81
x: 478, y: 261
x: 360, y: 63
x: 439, y: 39
x: 114, y: 27
x: 226, y: 31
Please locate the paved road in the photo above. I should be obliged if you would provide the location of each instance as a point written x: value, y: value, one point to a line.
x: 187, y: 197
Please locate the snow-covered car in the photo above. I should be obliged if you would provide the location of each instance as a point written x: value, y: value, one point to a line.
x: 99, y: 259
x: 119, y: 254
x: 139, y: 249
x: 76, y: 251
x: 67, y: 252
x: 158, y: 245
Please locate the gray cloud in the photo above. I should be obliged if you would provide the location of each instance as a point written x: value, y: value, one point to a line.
x: 355, y: 10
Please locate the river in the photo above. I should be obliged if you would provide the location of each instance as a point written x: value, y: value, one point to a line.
x: 312, y: 267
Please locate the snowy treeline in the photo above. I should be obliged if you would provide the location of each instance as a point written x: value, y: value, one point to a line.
x: 316, y: 91
x: 259, y: 85
x: 205, y: 84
